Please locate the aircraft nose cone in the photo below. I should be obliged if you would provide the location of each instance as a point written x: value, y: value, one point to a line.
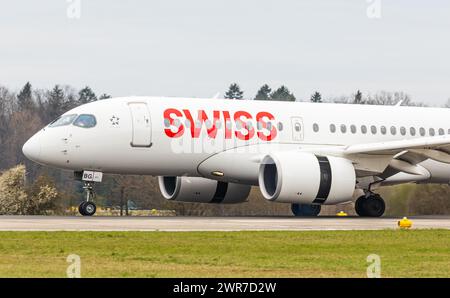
x: 32, y: 148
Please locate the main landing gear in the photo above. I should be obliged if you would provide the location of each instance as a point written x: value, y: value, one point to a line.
x: 370, y: 205
x: 88, y: 208
x: 305, y: 210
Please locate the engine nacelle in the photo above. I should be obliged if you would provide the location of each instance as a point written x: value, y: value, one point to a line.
x: 202, y: 190
x: 296, y: 177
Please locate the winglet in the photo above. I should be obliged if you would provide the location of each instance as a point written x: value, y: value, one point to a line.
x: 399, y: 103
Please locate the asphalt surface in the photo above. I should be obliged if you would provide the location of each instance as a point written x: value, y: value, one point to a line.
x: 179, y: 223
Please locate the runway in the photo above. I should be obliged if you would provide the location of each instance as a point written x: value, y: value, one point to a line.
x: 179, y: 223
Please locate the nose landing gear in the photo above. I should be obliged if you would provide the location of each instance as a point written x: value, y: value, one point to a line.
x: 88, y: 208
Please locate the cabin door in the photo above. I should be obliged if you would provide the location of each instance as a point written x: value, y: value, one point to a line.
x: 141, y: 125
x: 297, y: 129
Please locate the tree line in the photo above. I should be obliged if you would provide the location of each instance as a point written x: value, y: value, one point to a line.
x: 283, y: 93
x: 264, y: 93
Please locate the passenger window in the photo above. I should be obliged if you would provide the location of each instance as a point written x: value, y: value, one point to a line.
x: 353, y: 129
x: 403, y: 130
x: 364, y: 129
x: 85, y: 121
x: 422, y: 131
x: 280, y: 126
x: 393, y: 130
x: 316, y: 127
x: 383, y: 130
x: 209, y: 124
x: 441, y: 132
x: 176, y: 122
x: 432, y: 132
x: 259, y: 125
x: 63, y: 120
x: 412, y: 131
x: 373, y: 128
x: 333, y: 128
x: 343, y: 128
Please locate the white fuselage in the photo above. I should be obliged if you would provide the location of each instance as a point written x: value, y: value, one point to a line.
x: 225, y: 139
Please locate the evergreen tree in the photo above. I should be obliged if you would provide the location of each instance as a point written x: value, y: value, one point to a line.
x: 358, y: 98
x: 69, y: 102
x: 25, y: 97
x: 282, y: 94
x: 86, y: 95
x: 234, y: 92
x: 55, y: 102
x: 104, y: 96
x: 263, y: 93
x: 316, y: 97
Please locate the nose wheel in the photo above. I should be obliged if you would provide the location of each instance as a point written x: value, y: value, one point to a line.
x: 88, y: 208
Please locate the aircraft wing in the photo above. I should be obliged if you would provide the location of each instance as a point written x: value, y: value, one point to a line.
x: 389, y: 158
x: 436, y: 148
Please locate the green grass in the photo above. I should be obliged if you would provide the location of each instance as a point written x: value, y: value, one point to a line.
x: 413, y: 253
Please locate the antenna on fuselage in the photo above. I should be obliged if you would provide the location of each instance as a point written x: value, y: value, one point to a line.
x: 216, y: 96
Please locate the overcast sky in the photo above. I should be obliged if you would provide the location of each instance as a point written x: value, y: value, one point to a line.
x: 198, y: 47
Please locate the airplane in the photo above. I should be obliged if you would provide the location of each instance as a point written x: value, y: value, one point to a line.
x: 214, y: 150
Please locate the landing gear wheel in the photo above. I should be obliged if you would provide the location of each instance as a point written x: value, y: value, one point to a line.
x: 305, y: 210
x: 359, y: 206
x: 370, y: 206
x: 87, y: 208
x: 81, y: 208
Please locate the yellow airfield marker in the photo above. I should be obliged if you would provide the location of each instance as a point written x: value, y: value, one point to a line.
x: 405, y: 223
x: 341, y: 213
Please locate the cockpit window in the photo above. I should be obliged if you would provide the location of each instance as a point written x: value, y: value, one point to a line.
x: 85, y: 121
x: 63, y: 120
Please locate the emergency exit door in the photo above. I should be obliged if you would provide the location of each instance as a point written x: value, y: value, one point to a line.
x: 297, y: 129
x: 141, y: 125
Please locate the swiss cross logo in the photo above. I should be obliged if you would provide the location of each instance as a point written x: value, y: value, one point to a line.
x: 240, y: 124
